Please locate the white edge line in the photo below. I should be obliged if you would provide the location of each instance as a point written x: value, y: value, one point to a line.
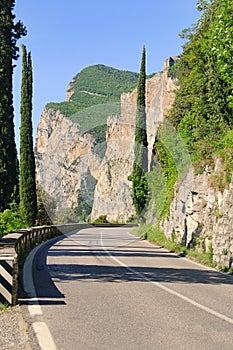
x: 44, y: 336
x: 168, y: 290
x: 28, y: 283
x: 42, y: 331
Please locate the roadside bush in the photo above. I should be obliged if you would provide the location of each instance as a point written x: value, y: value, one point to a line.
x: 10, y: 221
x: 102, y: 219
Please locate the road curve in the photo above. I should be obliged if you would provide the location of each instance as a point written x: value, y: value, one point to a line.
x: 102, y: 288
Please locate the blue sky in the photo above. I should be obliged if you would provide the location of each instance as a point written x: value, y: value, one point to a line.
x: 65, y: 36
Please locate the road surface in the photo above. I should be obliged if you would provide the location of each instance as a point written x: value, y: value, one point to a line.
x: 102, y: 288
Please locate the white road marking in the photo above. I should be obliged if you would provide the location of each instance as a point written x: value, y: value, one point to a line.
x: 166, y: 289
x: 33, y: 307
x: 44, y: 336
x: 42, y: 331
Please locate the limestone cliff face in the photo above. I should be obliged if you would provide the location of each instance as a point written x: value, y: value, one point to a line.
x: 201, y: 212
x: 64, y: 158
x: 113, y: 193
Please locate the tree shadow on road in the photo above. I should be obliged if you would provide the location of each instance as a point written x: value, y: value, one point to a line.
x: 100, y: 273
x: 46, y: 275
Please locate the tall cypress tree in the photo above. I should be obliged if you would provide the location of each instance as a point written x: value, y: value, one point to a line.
x: 28, y: 200
x: 140, y: 166
x: 10, y: 32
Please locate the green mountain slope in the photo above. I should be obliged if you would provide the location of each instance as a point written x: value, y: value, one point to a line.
x: 105, y: 81
x: 98, y: 86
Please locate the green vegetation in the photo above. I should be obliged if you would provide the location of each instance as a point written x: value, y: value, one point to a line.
x: 224, y: 152
x: 28, y: 200
x: 171, y: 162
x: 95, y: 116
x: 4, y: 307
x: 148, y: 76
x: 10, y: 32
x: 155, y: 235
x: 104, y: 81
x: 96, y: 92
x: 162, y: 180
x: 102, y: 219
x: 173, y: 70
x: 45, y: 205
x: 140, y: 166
x: 10, y: 220
x: 204, y: 103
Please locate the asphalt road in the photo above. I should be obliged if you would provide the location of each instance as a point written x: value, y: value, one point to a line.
x: 102, y: 288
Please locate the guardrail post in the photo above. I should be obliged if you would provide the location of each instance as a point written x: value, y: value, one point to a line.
x: 15, y: 246
x: 8, y: 280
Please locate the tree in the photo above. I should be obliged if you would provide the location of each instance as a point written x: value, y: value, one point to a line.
x: 45, y: 206
x: 28, y: 200
x: 10, y: 32
x: 140, y: 166
x: 203, y: 108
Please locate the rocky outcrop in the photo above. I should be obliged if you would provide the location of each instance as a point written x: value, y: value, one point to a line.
x: 64, y: 158
x: 159, y: 100
x: 202, y: 216
x: 113, y: 193
x: 70, y: 90
x: 69, y: 94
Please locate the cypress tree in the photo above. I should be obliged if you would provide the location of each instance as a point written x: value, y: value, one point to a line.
x: 140, y: 166
x: 10, y: 32
x: 28, y: 200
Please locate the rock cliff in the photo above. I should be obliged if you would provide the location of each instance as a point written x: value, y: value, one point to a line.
x: 202, y: 215
x: 113, y: 193
x: 64, y: 159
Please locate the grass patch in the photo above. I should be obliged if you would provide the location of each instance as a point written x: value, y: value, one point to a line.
x: 155, y: 235
x: 202, y: 258
x: 4, y: 307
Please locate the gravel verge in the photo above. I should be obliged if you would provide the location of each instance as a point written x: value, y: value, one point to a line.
x: 16, y: 332
x: 13, y: 330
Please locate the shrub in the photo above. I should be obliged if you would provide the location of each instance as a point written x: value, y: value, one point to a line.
x: 10, y: 221
x: 102, y: 219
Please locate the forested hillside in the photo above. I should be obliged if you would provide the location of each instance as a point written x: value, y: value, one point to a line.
x: 203, y: 109
x: 96, y: 85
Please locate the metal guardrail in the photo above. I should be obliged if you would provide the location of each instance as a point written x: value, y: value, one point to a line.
x: 16, y: 246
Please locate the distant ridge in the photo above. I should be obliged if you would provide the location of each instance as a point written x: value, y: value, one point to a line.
x: 95, y: 85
